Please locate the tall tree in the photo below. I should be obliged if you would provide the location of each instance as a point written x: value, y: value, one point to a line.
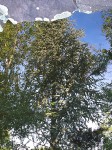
x: 61, y: 72
x: 51, y: 82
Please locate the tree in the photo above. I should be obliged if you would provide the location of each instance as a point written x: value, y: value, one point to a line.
x: 60, y: 74
x: 12, y: 108
x: 7, y: 51
x: 51, y: 83
x: 107, y: 26
x: 107, y: 135
x: 107, y: 29
x: 107, y: 92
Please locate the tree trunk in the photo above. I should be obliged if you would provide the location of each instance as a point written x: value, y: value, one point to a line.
x: 53, y: 120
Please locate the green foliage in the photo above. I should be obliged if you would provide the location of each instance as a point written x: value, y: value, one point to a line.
x: 107, y: 135
x: 107, y: 29
x: 48, y: 82
x: 107, y: 53
x: 47, y: 149
x: 107, y: 26
x: 107, y: 143
x: 88, y: 138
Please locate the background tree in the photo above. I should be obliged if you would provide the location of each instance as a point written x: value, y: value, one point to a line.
x: 107, y: 142
x: 107, y: 29
x: 106, y: 133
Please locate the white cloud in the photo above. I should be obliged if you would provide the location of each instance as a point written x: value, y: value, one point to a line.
x: 3, y: 14
x: 12, y: 20
x: 38, y: 19
x: 62, y: 15
x: 3, y: 10
x: 46, y: 19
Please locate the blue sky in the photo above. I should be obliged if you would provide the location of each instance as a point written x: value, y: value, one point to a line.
x: 92, y: 25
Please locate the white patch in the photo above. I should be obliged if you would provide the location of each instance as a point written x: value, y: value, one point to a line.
x: 37, y: 8
x: 3, y: 18
x: 62, y: 15
x: 88, y: 12
x: 46, y: 19
x: 38, y: 19
x: 12, y: 20
x: 1, y: 29
x: 92, y: 125
x: 3, y: 10
x: 3, y: 14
